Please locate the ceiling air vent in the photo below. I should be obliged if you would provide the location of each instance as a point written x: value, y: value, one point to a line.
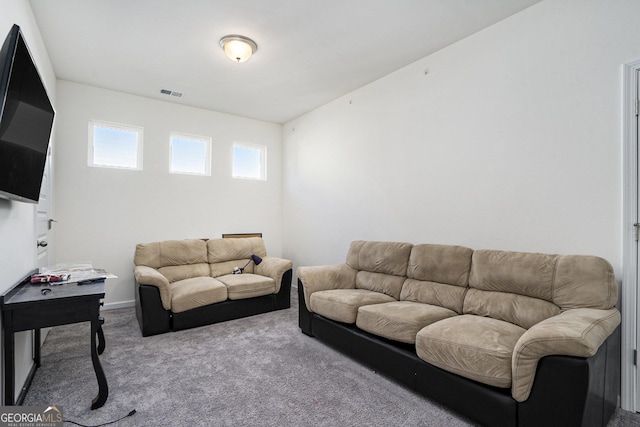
x: 171, y: 93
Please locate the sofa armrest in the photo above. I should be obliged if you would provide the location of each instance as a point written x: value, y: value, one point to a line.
x: 324, y: 277
x: 150, y: 276
x: 577, y: 332
x: 274, y: 268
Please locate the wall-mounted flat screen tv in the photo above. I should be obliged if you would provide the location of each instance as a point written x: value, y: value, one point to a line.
x: 26, y: 119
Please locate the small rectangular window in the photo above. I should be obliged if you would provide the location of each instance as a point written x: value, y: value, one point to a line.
x: 249, y: 161
x: 190, y: 154
x: 115, y: 145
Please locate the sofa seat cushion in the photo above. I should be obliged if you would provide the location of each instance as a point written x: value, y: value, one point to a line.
x: 342, y: 305
x: 247, y: 285
x: 475, y: 347
x: 196, y: 292
x: 400, y: 320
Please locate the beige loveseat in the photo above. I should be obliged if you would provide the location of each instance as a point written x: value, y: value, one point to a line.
x: 186, y: 283
x: 506, y: 338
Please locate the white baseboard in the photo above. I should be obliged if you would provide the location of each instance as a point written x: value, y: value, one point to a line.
x: 116, y: 305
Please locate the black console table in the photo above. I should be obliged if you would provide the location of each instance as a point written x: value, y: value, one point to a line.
x: 32, y: 307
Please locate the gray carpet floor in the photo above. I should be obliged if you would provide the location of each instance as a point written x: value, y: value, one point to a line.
x: 257, y: 371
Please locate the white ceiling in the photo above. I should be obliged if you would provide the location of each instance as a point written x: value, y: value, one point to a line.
x: 310, y: 52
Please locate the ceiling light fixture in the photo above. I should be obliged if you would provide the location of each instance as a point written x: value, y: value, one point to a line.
x: 238, y: 48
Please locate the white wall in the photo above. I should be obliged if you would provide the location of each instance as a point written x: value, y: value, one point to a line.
x: 103, y: 213
x: 511, y: 140
x: 17, y: 220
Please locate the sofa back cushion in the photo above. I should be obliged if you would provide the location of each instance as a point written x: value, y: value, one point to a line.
x: 382, y: 266
x: 225, y: 254
x: 174, y: 259
x: 380, y: 282
x: 520, y: 310
x: 584, y: 281
x: 526, y: 288
x: 440, y: 263
x: 438, y: 275
x: 379, y: 257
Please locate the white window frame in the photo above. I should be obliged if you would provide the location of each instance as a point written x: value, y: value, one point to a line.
x: 118, y: 126
x: 205, y: 139
x: 263, y: 160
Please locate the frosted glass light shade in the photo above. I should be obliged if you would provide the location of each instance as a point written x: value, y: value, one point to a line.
x: 238, y: 48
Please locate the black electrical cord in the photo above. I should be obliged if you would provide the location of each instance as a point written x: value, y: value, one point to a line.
x: 104, y: 424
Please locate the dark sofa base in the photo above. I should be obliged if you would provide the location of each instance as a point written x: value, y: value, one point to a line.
x: 154, y: 319
x: 567, y: 391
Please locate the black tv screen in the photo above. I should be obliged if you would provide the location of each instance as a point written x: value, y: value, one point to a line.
x: 26, y: 118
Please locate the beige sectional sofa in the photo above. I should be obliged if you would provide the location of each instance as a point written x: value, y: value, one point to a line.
x: 186, y: 283
x: 506, y: 338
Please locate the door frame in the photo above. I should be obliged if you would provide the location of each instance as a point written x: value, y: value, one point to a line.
x: 628, y: 300
x: 43, y: 218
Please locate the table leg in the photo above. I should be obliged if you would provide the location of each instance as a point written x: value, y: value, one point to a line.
x: 36, y: 347
x: 101, y: 341
x: 103, y: 388
x: 8, y: 343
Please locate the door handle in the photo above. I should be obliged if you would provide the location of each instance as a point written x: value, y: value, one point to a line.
x: 42, y: 243
x: 50, y: 222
